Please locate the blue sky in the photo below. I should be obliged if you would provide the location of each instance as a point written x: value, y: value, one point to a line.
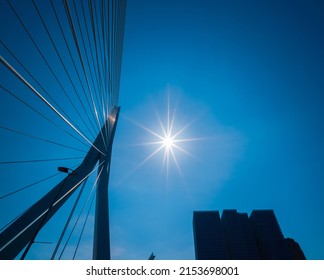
x: 246, y: 76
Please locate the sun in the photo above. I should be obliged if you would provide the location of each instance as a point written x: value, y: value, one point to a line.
x: 168, y: 140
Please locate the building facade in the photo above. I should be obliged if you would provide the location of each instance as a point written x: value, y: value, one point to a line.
x: 239, y: 236
x: 209, y: 236
x: 271, y: 242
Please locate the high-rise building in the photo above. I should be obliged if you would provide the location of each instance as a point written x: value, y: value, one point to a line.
x: 237, y: 236
x: 209, y: 236
x: 271, y: 242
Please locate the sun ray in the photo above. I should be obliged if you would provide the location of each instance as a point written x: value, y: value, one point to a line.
x: 150, y: 156
x: 190, y: 139
x: 141, y: 163
x: 177, y: 165
x: 148, y: 143
x: 164, y: 158
x: 147, y: 129
x: 182, y: 130
x: 186, y: 152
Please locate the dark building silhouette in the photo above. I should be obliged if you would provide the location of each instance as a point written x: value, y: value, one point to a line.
x: 271, y: 242
x: 209, y: 237
x: 239, y: 237
x: 240, y: 240
x: 294, y: 249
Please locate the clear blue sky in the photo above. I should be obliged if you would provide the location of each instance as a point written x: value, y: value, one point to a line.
x: 248, y: 78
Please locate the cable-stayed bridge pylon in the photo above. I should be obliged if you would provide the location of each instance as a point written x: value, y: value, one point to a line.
x: 77, y: 86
